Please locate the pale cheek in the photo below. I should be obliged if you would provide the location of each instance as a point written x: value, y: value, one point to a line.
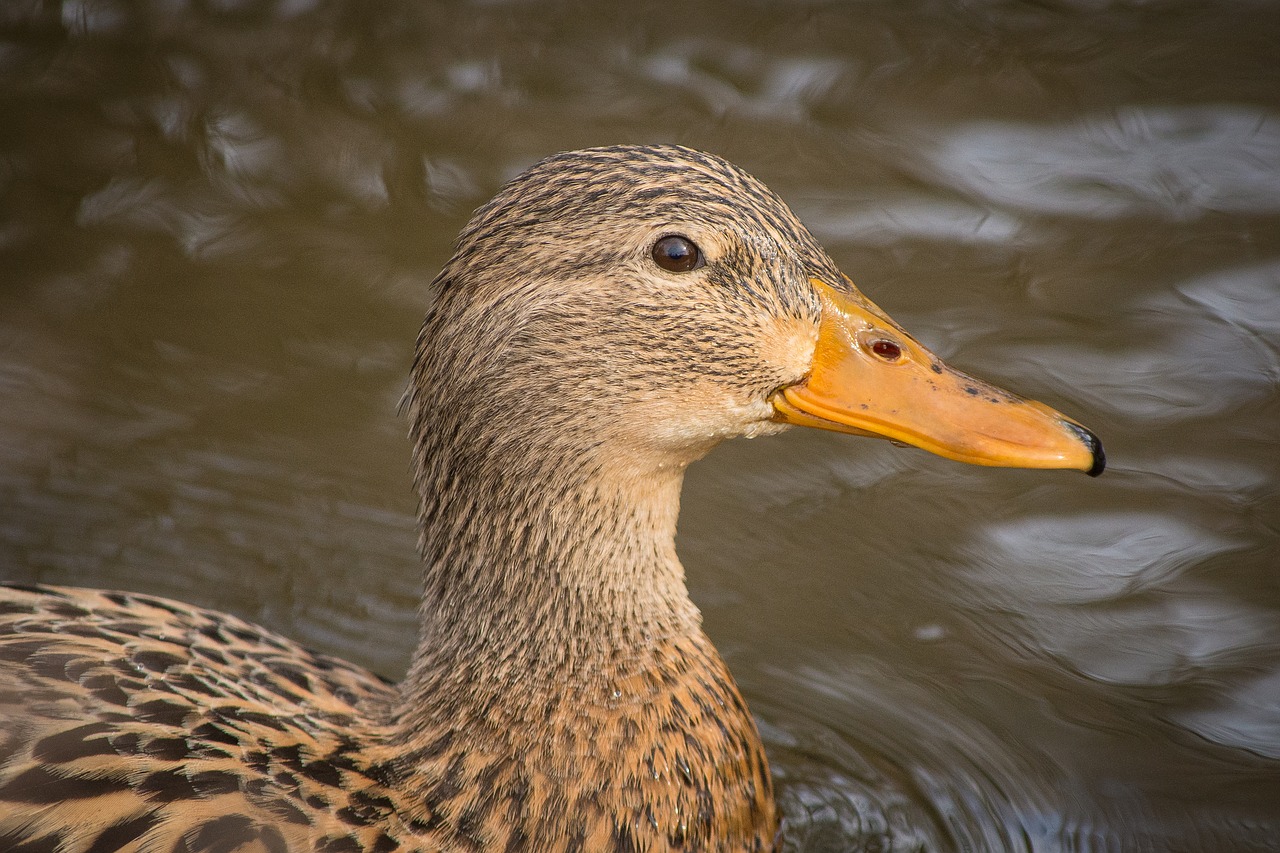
x: 713, y: 417
x: 760, y: 428
x: 790, y: 345
x: 745, y: 417
x: 687, y: 424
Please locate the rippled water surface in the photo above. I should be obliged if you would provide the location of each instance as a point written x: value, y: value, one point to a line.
x: 219, y: 221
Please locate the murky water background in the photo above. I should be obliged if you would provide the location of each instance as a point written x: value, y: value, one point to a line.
x: 218, y: 221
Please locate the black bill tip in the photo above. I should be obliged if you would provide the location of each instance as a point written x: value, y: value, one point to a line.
x: 1099, y: 456
x: 1095, y: 447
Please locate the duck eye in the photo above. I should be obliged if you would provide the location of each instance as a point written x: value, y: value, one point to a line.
x: 677, y: 254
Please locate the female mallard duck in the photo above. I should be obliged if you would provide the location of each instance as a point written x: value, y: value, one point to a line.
x: 607, y: 319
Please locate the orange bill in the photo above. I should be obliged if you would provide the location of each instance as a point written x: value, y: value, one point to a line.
x: 869, y: 377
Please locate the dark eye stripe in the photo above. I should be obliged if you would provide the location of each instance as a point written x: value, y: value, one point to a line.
x: 677, y: 254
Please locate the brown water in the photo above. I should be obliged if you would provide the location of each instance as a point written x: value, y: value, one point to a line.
x: 218, y: 222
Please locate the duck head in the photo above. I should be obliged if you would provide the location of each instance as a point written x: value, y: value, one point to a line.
x: 638, y: 304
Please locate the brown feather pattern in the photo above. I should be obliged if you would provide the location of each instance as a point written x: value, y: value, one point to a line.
x: 563, y: 695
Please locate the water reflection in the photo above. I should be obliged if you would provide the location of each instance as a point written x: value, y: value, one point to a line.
x: 1091, y: 558
x: 1177, y: 162
x: 921, y: 218
x: 1247, y: 718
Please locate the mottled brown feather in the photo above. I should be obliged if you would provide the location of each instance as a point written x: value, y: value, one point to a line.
x: 563, y: 695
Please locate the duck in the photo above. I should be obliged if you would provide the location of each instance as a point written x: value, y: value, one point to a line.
x: 605, y: 320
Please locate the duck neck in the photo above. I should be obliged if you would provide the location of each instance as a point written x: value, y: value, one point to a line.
x: 562, y: 663
x: 545, y: 573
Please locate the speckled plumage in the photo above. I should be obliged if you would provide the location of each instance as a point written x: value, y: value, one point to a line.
x: 136, y: 723
x: 562, y: 695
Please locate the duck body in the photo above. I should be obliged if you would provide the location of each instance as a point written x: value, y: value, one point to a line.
x: 604, y: 322
x: 139, y: 723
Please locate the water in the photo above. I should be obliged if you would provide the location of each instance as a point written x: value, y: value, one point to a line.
x: 218, y: 223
